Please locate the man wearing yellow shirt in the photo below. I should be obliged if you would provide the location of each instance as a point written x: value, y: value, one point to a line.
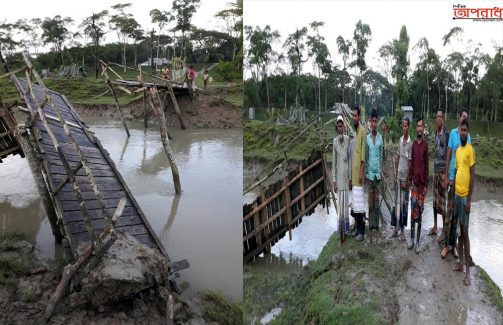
x: 463, y: 182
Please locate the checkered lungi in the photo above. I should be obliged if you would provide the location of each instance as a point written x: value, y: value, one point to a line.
x: 417, y: 205
x: 439, y: 193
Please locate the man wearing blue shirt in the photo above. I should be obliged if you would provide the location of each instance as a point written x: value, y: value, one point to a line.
x: 454, y: 143
x: 374, y: 162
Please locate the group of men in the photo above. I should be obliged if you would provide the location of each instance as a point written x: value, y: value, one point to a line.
x: 359, y: 162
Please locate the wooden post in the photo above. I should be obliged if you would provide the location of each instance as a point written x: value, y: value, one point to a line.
x: 165, y: 141
x: 109, y: 83
x: 145, y: 109
x: 267, y: 229
x: 301, y: 182
x: 288, y: 207
x: 177, y: 109
x: 34, y: 164
x: 256, y: 226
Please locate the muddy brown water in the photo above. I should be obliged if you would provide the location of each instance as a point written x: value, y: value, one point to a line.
x: 200, y: 225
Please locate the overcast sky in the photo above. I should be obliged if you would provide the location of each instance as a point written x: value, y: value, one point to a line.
x: 428, y: 18
x: 77, y: 10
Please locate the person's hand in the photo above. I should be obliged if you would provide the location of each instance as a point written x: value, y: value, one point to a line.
x: 334, y: 186
x: 468, y: 206
x: 446, y: 182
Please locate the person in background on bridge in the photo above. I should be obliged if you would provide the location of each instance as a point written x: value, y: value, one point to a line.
x: 418, y: 178
x: 341, y: 175
x: 452, y: 146
x: 357, y: 173
x: 191, y: 77
x: 205, y: 78
x: 165, y: 73
x: 439, y: 163
x: 463, y: 182
x: 374, y: 155
x: 402, y: 163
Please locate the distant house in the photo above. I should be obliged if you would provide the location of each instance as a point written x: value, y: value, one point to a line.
x: 407, y: 111
x: 157, y: 61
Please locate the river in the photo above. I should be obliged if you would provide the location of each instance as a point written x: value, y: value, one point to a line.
x: 200, y: 225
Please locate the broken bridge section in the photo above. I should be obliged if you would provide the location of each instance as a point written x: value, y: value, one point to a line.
x: 58, y: 149
x: 282, y: 205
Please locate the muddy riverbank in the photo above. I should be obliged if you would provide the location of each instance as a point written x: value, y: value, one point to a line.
x: 28, y: 281
x: 205, y: 111
x: 386, y: 283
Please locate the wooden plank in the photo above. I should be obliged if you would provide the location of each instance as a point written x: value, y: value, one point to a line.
x: 132, y: 230
x: 146, y: 239
x: 57, y: 163
x: 99, y: 224
x: 74, y: 216
x: 71, y: 196
x: 49, y: 148
x: 53, y: 158
x: 102, y: 187
x: 96, y: 172
x: 91, y: 204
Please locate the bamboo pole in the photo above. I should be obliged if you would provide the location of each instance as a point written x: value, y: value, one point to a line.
x: 109, y: 83
x: 34, y: 163
x: 165, y: 140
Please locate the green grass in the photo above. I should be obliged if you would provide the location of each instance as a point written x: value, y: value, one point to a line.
x: 11, y: 265
x: 346, y: 285
x: 260, y: 137
x: 491, y: 289
x: 218, y: 309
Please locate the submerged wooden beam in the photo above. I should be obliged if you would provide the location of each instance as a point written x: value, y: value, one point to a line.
x: 165, y: 141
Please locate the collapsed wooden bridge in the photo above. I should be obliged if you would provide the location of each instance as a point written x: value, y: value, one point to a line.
x: 84, y: 195
x: 281, y: 206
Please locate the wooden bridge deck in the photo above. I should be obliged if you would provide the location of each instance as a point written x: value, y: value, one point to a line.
x: 109, y: 181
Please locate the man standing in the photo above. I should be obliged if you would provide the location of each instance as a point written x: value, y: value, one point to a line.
x: 340, y: 175
x: 404, y: 155
x: 165, y: 73
x: 191, y: 77
x: 439, y: 163
x: 374, y: 154
x: 452, y: 146
x: 418, y: 178
x: 463, y: 182
x: 357, y: 172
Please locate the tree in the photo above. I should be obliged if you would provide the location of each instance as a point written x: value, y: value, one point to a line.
x: 124, y: 24
x: 362, y: 36
x: 401, y: 48
x: 344, y: 47
x: 233, y: 18
x: 55, y: 32
x: 162, y: 18
x: 387, y: 54
x: 260, y: 52
x: 296, y: 47
x: 454, y: 32
x: 319, y: 50
x: 137, y: 34
x: 184, y: 9
x: 94, y: 27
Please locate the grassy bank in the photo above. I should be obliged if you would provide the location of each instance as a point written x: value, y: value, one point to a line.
x: 346, y: 285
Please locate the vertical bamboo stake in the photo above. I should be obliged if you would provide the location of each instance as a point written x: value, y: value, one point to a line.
x: 288, y: 207
x: 165, y: 141
x: 109, y: 83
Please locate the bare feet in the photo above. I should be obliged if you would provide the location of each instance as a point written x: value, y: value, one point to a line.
x: 433, y: 231
x: 445, y: 251
x: 441, y: 238
x: 394, y: 233
x: 467, y: 280
x: 458, y: 267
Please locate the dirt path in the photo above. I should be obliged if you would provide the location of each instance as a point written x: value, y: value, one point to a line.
x: 431, y: 293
